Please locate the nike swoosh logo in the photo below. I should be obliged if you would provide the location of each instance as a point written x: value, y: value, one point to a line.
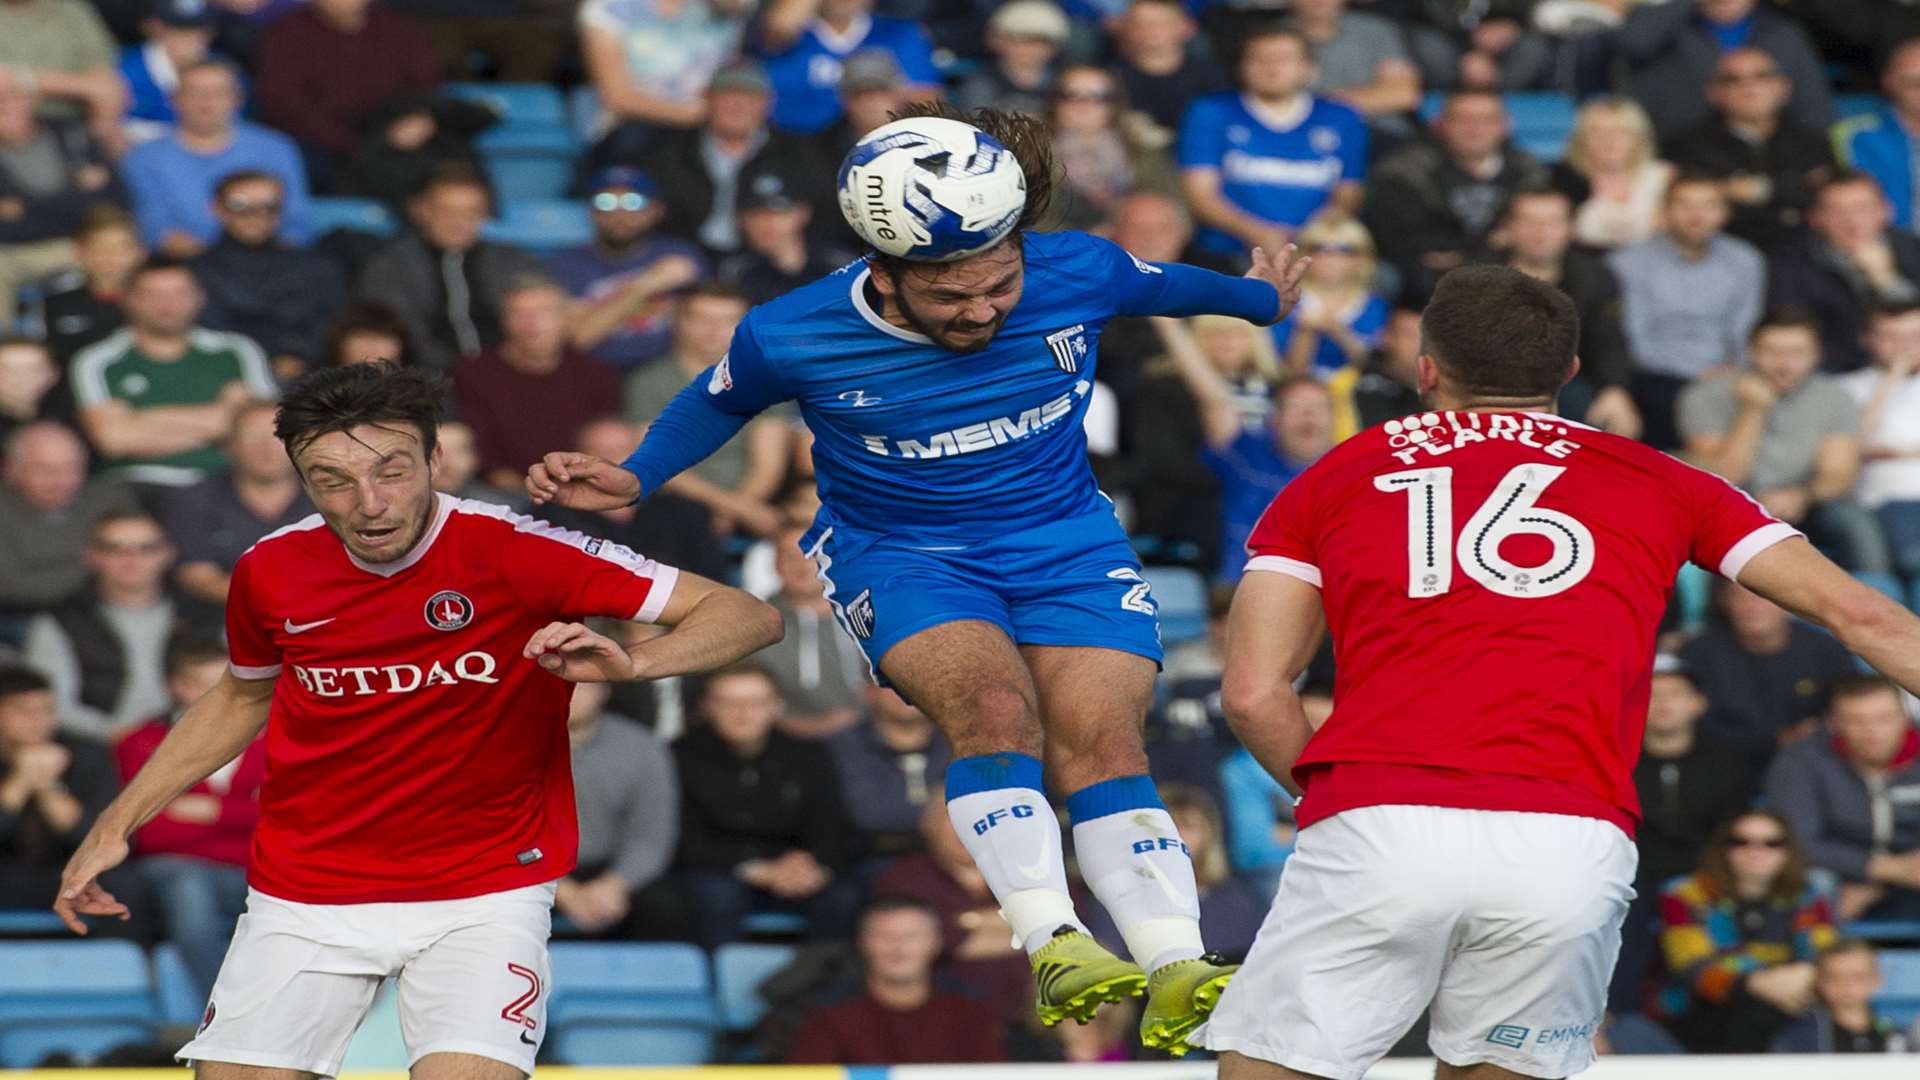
x: 525, y: 1038
x: 1038, y: 868
x: 301, y: 628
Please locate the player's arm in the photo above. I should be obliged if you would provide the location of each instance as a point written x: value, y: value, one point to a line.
x: 212, y: 732
x: 1876, y: 628
x: 712, y: 626
x: 1273, y: 630
x: 1263, y: 296
x: 1836, y: 465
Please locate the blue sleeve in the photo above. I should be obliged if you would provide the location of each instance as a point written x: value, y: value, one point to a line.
x: 915, y: 53
x: 150, y: 179
x: 1202, y: 136
x: 709, y: 411
x: 1353, y: 150
x: 1144, y: 288
x: 1251, y: 807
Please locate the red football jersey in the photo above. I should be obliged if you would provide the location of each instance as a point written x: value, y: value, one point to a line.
x: 412, y: 753
x: 1493, y: 583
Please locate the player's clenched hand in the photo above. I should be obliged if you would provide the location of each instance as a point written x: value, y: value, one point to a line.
x: 581, y: 482
x: 1284, y: 271
x: 80, y: 892
x: 577, y: 654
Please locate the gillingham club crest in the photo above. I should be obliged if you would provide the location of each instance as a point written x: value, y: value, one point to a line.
x: 449, y: 610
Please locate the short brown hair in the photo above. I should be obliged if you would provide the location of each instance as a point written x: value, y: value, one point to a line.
x: 1859, y: 686
x: 1497, y: 332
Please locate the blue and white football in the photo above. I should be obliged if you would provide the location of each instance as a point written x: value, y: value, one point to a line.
x: 931, y: 189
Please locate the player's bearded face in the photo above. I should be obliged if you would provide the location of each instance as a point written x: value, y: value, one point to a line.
x: 960, y: 305
x: 374, y: 486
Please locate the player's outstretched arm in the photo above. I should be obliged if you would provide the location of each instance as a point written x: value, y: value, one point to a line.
x: 1285, y: 270
x: 1273, y: 630
x: 212, y: 732
x: 581, y: 482
x: 713, y: 625
x: 1874, y: 626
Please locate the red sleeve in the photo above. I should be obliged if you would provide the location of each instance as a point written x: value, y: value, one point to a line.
x: 562, y: 573
x: 1284, y: 540
x: 1727, y: 528
x: 252, y: 652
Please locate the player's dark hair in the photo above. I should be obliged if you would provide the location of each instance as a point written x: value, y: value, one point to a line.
x: 186, y: 653
x: 367, y: 317
x: 1025, y: 137
x: 18, y: 679
x: 1858, y: 686
x: 1788, y: 886
x: 1786, y: 318
x: 1497, y: 333
x: 343, y: 398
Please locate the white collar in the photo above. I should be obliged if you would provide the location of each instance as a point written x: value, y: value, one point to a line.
x: 874, y: 318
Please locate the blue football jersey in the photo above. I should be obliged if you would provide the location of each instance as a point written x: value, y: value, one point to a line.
x: 806, y: 77
x: 1280, y: 176
x: 909, y: 436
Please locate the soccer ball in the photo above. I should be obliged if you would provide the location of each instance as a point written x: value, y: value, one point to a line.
x: 931, y: 189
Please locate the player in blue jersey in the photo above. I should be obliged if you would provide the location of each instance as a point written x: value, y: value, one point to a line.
x: 963, y: 543
x: 1257, y: 162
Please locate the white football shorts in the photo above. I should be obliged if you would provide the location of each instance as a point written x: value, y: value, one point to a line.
x: 1508, y: 923
x: 299, y: 978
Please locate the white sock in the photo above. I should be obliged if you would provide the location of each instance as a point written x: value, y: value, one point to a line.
x: 1136, y: 864
x: 1007, y: 825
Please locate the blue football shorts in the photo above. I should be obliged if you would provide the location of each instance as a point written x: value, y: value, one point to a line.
x: 1069, y: 582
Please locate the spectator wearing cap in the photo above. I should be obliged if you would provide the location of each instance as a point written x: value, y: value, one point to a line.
x: 532, y: 392
x: 175, y: 35
x: 650, y: 62
x: 624, y: 282
x: 65, y: 51
x: 1157, y: 63
x: 776, y: 254
x: 872, y: 88
x: 326, y: 65
x: 175, y: 176
x: 260, y: 285
x: 51, y: 172
x: 411, y: 274
x: 805, y: 42
x: 1024, y: 38
x: 706, y: 168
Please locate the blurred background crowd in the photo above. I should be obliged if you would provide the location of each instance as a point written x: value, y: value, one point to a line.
x: 567, y: 205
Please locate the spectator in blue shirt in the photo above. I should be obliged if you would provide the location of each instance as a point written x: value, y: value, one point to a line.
x: 624, y: 282
x: 1881, y: 143
x: 173, y: 177
x: 1257, y: 163
x: 178, y: 34
x: 1338, y: 321
x: 804, y: 42
x: 1252, y: 462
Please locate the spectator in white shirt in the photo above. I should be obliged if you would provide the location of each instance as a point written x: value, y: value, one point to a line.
x: 1889, y: 395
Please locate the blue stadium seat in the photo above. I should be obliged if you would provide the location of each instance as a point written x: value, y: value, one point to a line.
x: 81, y: 997
x: 175, y: 993
x: 631, y: 1004
x: 1899, y: 1000
x: 1886, y: 930
x: 738, y: 971
x: 522, y: 106
x: 1181, y: 594
x: 30, y: 921
x: 774, y: 923
x: 328, y: 213
x: 629, y: 1044
x: 542, y: 226
x: 530, y: 171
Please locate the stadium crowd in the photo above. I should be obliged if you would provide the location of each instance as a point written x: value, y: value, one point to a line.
x: 1744, y: 259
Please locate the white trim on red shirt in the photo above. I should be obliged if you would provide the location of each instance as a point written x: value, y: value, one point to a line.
x: 1280, y: 564
x: 241, y: 671
x: 1755, y: 542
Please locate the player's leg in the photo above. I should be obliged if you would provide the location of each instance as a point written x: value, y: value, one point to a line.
x: 473, y: 993
x: 220, y: 1070
x: 1482, y: 1071
x: 1241, y: 1067
x: 971, y: 680
x: 1526, y: 986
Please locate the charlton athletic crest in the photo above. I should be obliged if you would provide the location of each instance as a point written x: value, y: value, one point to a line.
x: 449, y: 610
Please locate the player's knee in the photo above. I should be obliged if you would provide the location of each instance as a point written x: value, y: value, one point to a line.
x: 994, y: 717
x: 1080, y: 755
